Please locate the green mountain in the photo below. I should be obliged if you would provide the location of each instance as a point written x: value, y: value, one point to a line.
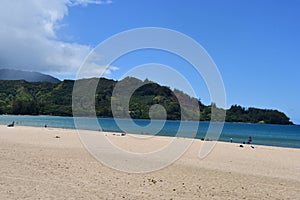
x: 46, y: 98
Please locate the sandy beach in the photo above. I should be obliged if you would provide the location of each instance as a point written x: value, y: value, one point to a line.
x: 48, y: 163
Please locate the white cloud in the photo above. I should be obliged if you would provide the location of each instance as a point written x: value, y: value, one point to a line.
x: 93, y: 69
x: 86, y: 2
x: 28, y: 37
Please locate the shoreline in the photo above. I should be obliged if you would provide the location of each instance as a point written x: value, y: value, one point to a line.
x: 144, y: 134
x: 152, y: 119
x: 37, y: 164
x: 112, y: 133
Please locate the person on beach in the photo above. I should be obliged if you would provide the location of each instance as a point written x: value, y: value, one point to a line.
x: 12, y: 124
x: 249, y: 140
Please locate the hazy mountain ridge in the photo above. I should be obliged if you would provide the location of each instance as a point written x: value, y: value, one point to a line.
x: 12, y: 74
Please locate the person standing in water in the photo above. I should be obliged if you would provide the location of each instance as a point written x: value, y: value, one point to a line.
x: 249, y: 140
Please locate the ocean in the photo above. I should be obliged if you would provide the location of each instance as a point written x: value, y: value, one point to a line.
x: 262, y: 134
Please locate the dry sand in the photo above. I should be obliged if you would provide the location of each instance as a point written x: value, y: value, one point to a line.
x: 34, y: 164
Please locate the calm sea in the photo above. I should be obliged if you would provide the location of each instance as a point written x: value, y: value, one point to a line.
x: 265, y: 134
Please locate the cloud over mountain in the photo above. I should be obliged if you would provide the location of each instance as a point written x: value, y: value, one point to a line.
x: 28, y: 36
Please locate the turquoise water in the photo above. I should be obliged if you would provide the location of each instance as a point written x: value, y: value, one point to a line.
x: 265, y: 134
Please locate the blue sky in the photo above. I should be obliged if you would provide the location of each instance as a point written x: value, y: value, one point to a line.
x: 255, y: 44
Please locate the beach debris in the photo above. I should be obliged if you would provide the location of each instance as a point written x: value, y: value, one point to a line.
x: 252, y: 147
x: 57, y: 136
x: 241, y: 145
x: 152, y: 180
x: 119, y: 134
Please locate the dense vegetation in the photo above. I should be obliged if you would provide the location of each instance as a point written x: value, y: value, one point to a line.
x: 44, y: 98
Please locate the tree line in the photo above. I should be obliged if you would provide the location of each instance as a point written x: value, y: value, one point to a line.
x: 43, y: 98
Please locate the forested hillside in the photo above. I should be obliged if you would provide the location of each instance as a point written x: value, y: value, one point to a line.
x: 44, y: 98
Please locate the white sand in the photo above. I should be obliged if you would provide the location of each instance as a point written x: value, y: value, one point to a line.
x: 36, y: 165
